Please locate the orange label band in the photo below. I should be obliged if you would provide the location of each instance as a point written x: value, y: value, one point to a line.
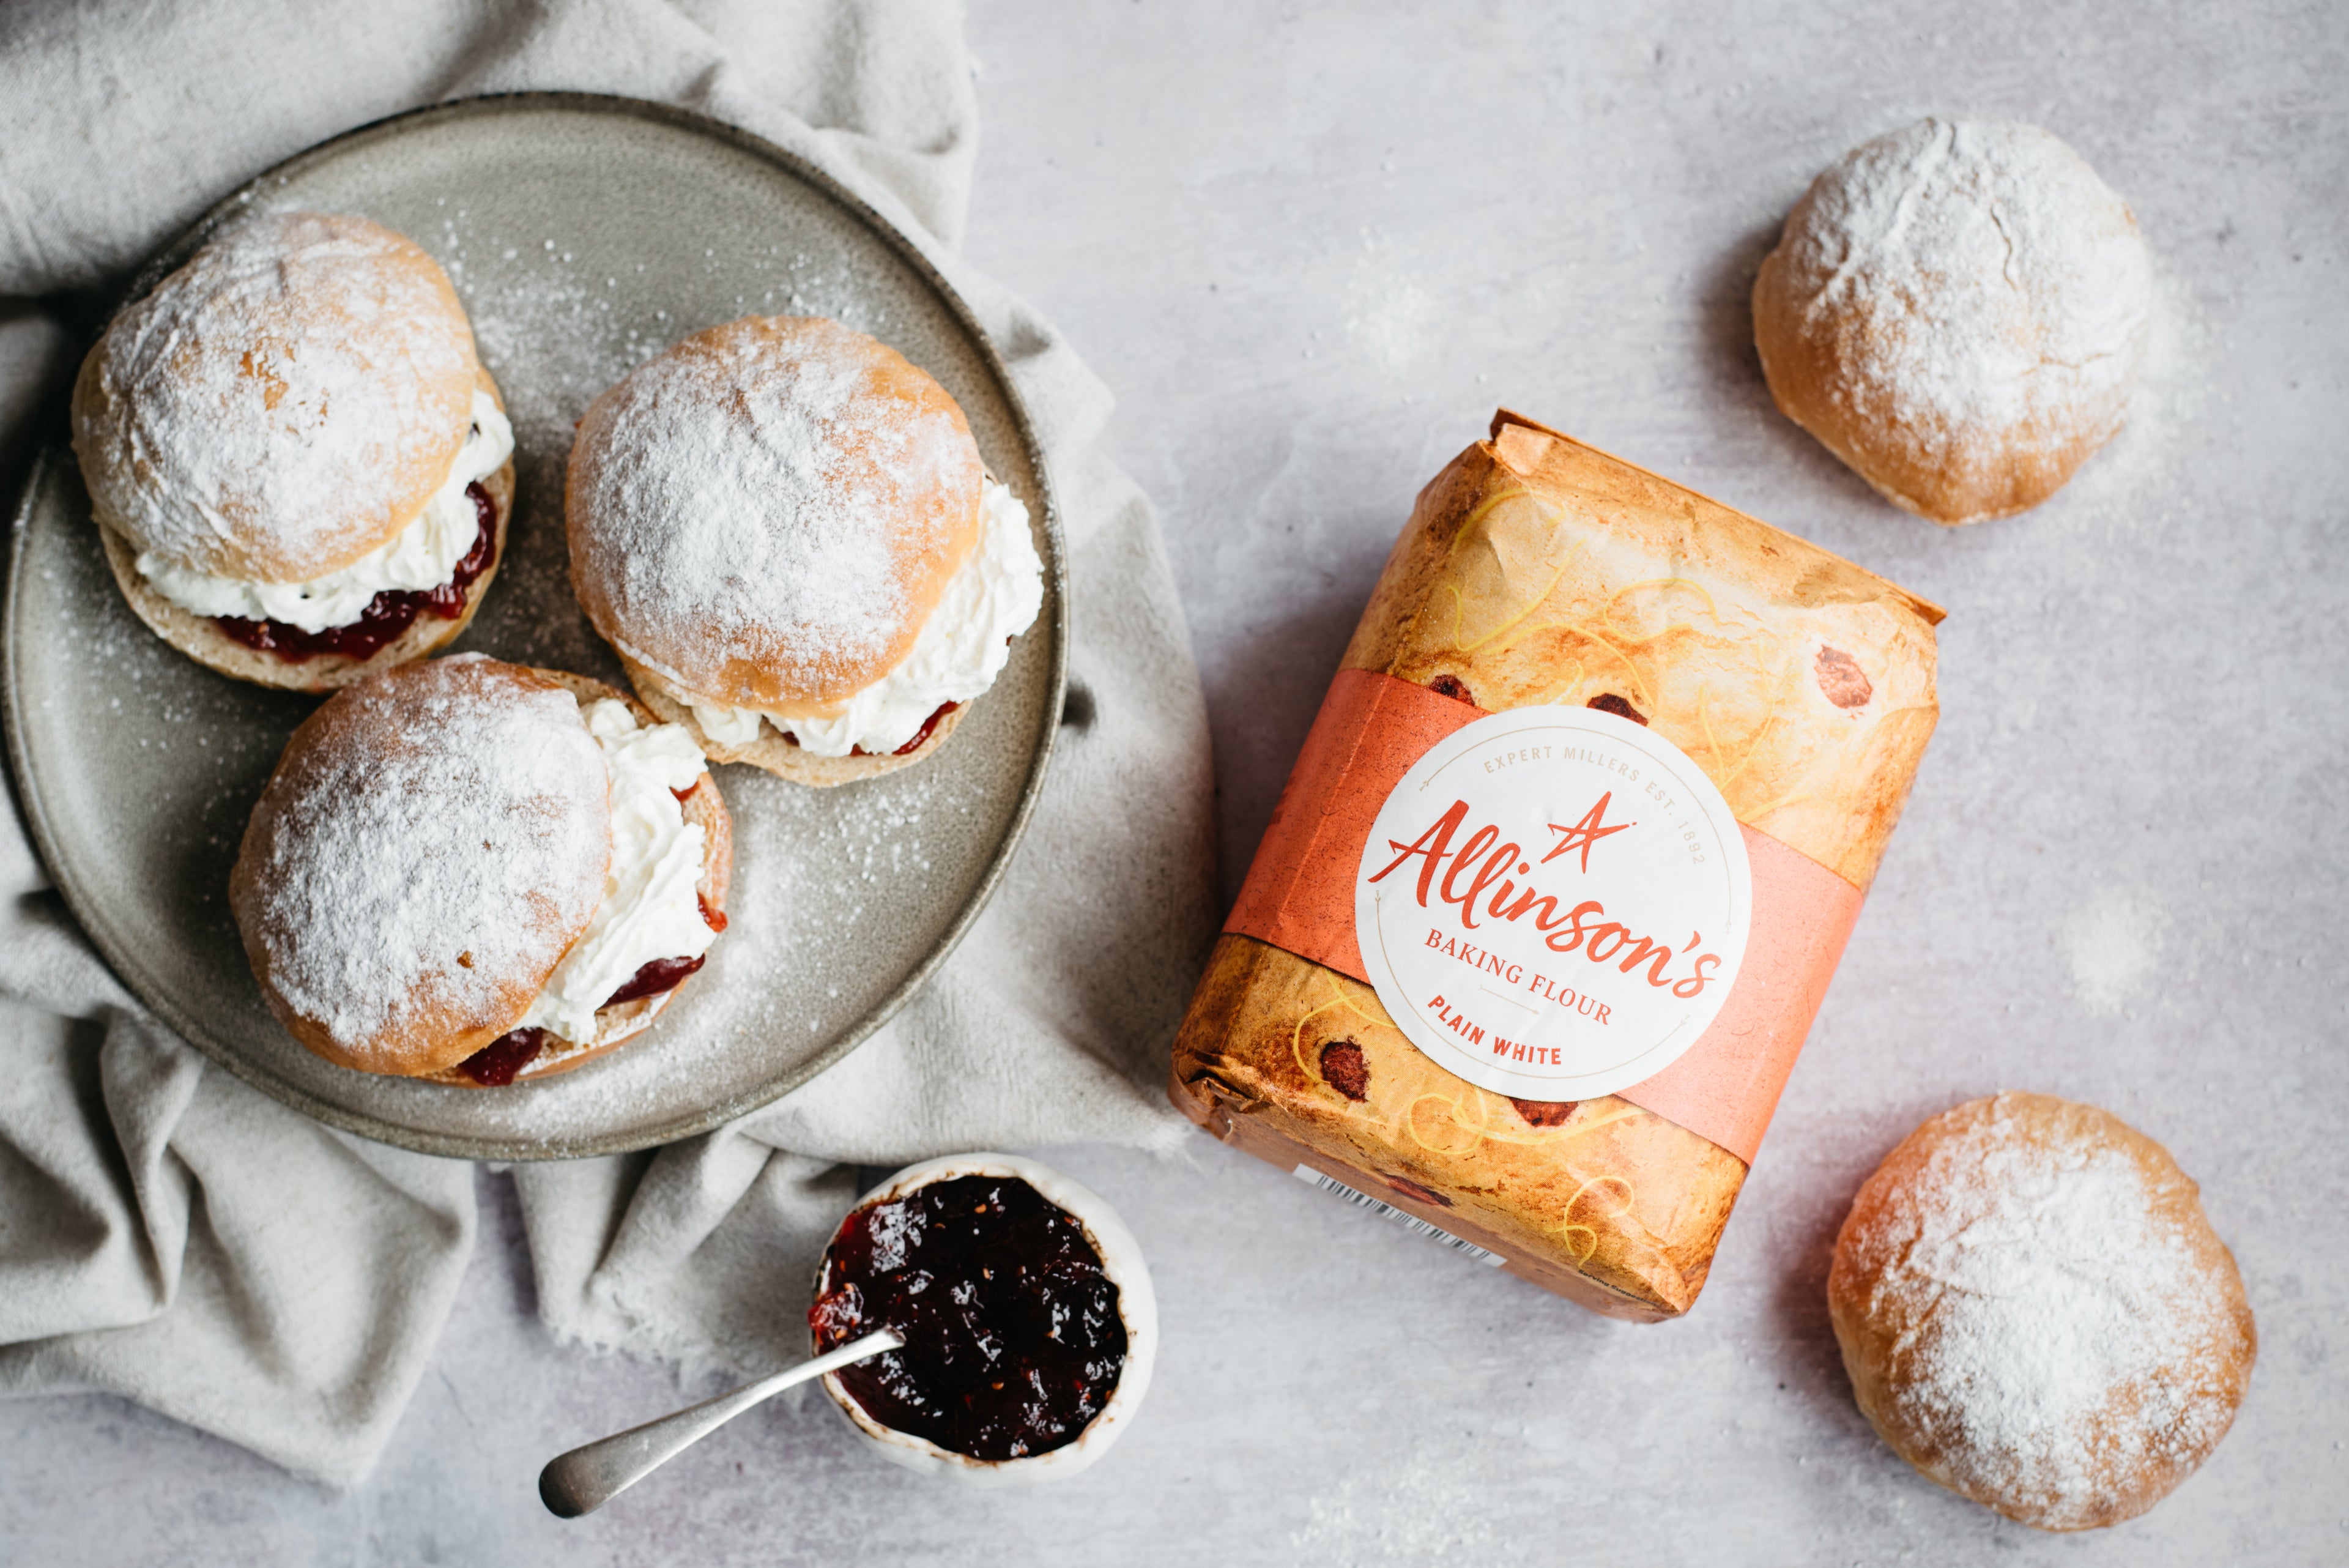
x: 1300, y: 897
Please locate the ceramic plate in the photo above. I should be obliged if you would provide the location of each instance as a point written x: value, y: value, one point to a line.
x: 583, y: 234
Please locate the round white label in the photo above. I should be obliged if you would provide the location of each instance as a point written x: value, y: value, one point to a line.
x: 1553, y: 903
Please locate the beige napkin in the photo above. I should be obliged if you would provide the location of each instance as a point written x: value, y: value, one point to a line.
x: 169, y: 1235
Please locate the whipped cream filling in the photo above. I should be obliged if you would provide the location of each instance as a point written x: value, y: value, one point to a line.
x: 424, y: 554
x: 992, y: 598
x: 652, y: 906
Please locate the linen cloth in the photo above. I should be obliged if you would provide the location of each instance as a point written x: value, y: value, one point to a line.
x: 170, y: 1235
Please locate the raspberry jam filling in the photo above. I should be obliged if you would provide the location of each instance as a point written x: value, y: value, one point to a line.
x: 499, y: 1061
x: 920, y: 735
x: 659, y: 975
x: 496, y: 1062
x: 1013, y: 1338
x: 387, y: 616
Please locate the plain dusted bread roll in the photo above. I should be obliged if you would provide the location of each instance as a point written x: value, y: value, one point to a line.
x: 2036, y: 1314
x: 764, y: 515
x: 434, y: 839
x: 281, y: 405
x: 1958, y: 310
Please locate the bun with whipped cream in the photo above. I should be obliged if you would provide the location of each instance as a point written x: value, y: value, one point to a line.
x: 480, y: 873
x: 785, y: 530
x: 299, y: 468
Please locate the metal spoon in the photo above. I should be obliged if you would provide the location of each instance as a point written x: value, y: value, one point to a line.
x: 587, y: 1477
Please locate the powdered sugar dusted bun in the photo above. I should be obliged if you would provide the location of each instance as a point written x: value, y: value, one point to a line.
x: 202, y: 639
x: 434, y: 839
x: 1958, y: 311
x: 618, y: 1023
x: 766, y: 514
x: 2036, y: 1314
x: 280, y: 406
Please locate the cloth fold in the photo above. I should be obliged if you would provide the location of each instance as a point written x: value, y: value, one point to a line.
x: 170, y: 1235
x: 174, y: 1237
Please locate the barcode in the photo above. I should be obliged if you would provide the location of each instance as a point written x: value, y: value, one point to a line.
x: 1313, y: 1178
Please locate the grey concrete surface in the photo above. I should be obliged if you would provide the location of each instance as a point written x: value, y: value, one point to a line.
x: 1312, y: 246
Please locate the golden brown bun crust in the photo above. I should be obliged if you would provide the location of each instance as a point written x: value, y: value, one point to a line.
x: 768, y: 511
x: 204, y: 642
x: 2035, y: 1313
x: 1803, y: 361
x: 771, y: 752
x: 281, y: 405
x: 615, y: 1026
x: 1967, y: 355
x: 358, y: 886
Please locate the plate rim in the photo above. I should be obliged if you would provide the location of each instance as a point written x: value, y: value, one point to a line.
x: 55, y: 454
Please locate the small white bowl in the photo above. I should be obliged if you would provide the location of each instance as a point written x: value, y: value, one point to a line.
x: 1120, y: 1261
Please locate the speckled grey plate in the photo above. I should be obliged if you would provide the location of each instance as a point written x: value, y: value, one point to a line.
x: 583, y: 234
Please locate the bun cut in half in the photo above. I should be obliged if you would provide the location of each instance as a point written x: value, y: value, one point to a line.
x: 782, y: 753
x: 444, y: 856
x: 532, y: 1052
x: 766, y: 513
x: 299, y: 467
x: 785, y: 528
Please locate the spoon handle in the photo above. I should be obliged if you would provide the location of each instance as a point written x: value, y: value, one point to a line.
x: 590, y: 1475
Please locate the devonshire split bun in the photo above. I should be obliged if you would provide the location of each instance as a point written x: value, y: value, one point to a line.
x: 298, y: 465
x: 784, y: 529
x: 456, y: 862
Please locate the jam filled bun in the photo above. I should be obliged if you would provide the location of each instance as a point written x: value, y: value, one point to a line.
x: 300, y: 471
x: 785, y: 530
x: 480, y: 872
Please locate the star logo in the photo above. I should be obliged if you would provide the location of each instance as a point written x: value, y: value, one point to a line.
x: 1593, y: 827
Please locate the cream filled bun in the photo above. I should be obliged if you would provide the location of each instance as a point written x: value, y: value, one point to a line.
x: 480, y: 872
x: 298, y: 466
x: 785, y: 530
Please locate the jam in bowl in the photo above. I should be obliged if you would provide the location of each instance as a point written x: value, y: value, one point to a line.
x: 1027, y: 1317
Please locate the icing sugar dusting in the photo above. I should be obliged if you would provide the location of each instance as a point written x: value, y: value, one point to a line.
x: 1997, y: 287
x: 754, y: 497
x: 435, y: 856
x: 262, y: 395
x: 896, y: 1228
x: 2061, y: 1328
